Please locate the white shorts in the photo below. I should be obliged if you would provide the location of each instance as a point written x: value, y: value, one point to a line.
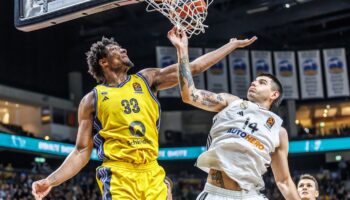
x: 212, y: 192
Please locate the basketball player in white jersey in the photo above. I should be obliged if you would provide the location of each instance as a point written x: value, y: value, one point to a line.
x: 245, y: 139
x: 308, y: 187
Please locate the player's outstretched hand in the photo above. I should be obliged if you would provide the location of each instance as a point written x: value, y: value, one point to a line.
x: 178, y: 38
x: 243, y: 43
x: 41, y: 188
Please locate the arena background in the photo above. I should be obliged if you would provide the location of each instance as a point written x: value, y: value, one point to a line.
x: 43, y: 75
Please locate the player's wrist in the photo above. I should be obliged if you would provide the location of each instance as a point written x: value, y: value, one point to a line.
x: 51, y: 181
x: 234, y: 43
x: 183, y: 49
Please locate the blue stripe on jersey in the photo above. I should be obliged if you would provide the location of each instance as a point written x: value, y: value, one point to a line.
x: 154, y: 97
x: 98, y: 139
x: 148, y: 87
x: 120, y: 84
x: 123, y: 83
x: 105, y: 175
x: 95, y: 102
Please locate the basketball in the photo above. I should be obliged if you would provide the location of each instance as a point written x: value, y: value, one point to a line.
x: 192, y: 8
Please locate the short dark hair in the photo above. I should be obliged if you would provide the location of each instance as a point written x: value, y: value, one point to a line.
x: 309, y: 177
x: 278, y: 87
x: 98, y: 51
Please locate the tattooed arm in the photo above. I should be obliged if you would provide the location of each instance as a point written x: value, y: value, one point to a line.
x: 163, y: 78
x: 200, y: 98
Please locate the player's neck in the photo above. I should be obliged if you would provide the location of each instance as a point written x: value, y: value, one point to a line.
x: 264, y: 105
x: 114, y: 79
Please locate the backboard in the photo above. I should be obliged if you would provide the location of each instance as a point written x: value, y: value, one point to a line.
x: 32, y: 15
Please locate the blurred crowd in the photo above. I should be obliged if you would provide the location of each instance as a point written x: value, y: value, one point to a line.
x: 311, y: 133
x: 179, y: 139
x: 15, y: 184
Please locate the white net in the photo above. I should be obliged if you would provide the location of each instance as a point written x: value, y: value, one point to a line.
x: 187, y: 15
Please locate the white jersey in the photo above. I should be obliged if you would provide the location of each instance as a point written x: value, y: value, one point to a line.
x: 240, y: 142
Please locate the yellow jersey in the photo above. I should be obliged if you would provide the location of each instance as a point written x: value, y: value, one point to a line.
x: 126, y: 121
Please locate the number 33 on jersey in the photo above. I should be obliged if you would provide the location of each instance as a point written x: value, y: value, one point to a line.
x: 127, y: 121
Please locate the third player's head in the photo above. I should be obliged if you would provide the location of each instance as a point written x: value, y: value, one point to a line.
x: 265, y: 90
x: 107, y: 56
x: 308, y: 187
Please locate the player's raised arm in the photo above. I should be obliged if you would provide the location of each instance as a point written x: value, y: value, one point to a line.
x: 190, y: 94
x: 78, y: 158
x: 280, y: 168
x: 166, y: 77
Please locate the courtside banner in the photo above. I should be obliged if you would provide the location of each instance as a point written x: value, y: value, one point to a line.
x: 26, y: 144
x: 165, y: 57
x: 261, y: 62
x: 335, y: 67
x: 199, y: 79
x: 217, y: 76
x: 310, y: 74
x: 285, y: 68
x: 239, y: 70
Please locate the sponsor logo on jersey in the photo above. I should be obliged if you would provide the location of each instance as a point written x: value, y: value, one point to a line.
x: 270, y: 122
x: 104, y: 93
x: 137, y: 129
x: 105, y: 98
x: 137, y: 87
x: 139, y: 141
x: 247, y: 137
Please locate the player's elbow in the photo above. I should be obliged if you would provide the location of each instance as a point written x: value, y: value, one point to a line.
x: 186, y: 99
x: 284, y: 185
x: 83, y: 154
x: 195, y: 69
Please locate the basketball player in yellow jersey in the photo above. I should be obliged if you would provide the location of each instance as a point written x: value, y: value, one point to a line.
x: 121, y: 117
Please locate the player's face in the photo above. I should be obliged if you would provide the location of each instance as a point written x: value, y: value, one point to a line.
x: 307, y: 189
x: 260, y: 90
x: 117, y: 57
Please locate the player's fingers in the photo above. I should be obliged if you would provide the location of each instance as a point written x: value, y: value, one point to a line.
x: 250, y: 41
x: 34, y: 186
x: 253, y: 39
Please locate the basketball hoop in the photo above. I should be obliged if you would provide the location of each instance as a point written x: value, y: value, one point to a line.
x: 187, y: 15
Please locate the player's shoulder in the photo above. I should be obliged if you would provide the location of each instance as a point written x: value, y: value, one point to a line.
x: 283, y: 133
x: 149, y: 72
x: 88, y: 101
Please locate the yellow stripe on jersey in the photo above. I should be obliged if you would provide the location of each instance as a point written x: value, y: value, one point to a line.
x: 127, y: 121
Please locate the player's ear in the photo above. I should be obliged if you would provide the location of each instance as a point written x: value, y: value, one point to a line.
x: 317, y: 194
x: 103, y: 62
x: 275, y: 95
